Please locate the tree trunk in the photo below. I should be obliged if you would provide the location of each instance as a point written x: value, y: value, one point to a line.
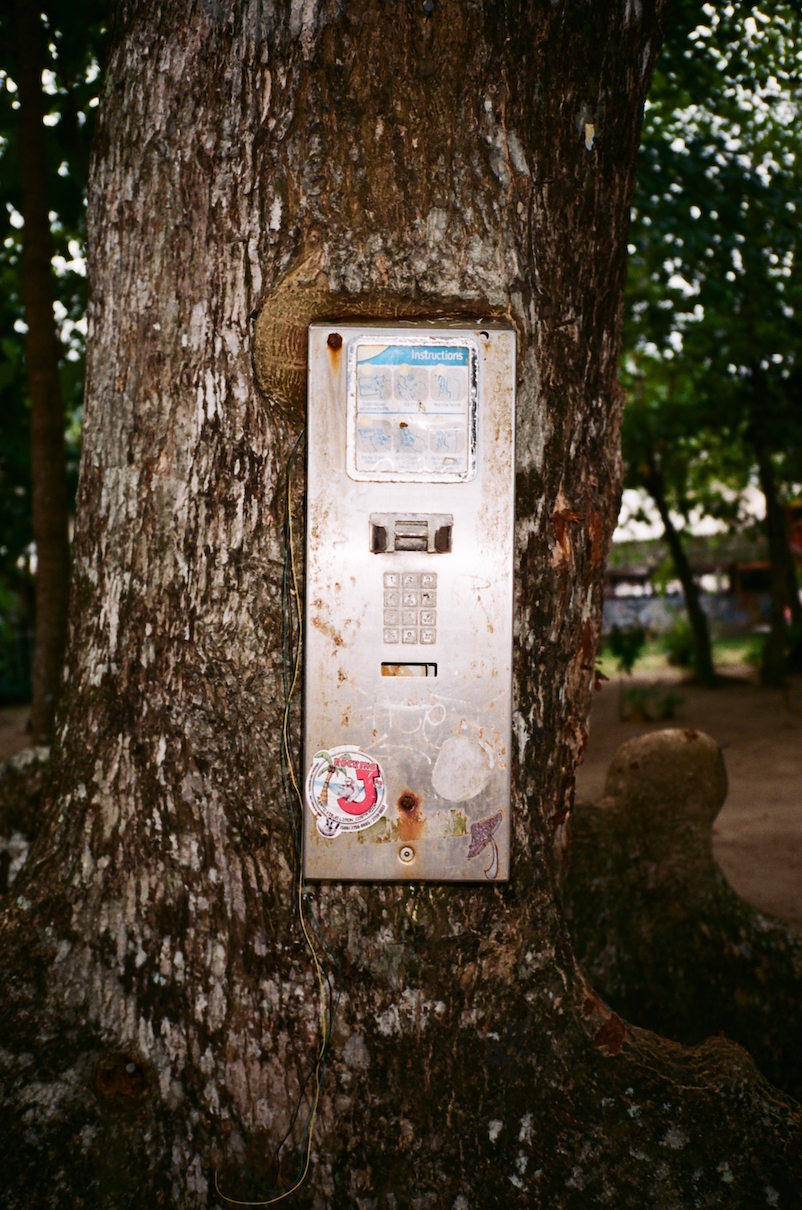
x: 160, y: 1017
x: 703, y: 649
x: 48, y: 469
x: 773, y: 666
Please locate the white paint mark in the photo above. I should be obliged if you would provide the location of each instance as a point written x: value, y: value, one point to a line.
x: 517, y: 153
x: 302, y: 22
x: 674, y: 1138
x: 266, y: 94
x: 494, y: 1129
x: 355, y: 1052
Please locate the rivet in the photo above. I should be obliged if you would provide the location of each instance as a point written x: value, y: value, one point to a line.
x: 335, y: 340
x: 406, y: 853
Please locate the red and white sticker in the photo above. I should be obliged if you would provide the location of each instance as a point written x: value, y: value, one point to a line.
x: 345, y: 790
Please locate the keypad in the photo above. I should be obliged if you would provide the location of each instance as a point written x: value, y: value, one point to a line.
x: 410, y: 607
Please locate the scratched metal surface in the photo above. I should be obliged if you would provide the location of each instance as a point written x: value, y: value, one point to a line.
x: 442, y: 743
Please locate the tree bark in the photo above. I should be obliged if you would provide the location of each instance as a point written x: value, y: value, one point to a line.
x: 703, y: 650
x: 257, y: 168
x: 48, y: 468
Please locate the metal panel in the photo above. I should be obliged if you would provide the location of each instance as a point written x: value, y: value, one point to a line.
x: 409, y: 587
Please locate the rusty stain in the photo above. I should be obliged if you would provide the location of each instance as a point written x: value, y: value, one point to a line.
x: 559, y: 817
x: 411, y: 824
x: 586, y: 645
x: 591, y: 1005
x: 594, y: 521
x: 327, y: 629
x: 121, y: 1077
x: 334, y: 341
x: 610, y: 1037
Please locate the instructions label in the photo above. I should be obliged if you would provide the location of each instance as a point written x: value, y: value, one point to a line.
x: 413, y: 405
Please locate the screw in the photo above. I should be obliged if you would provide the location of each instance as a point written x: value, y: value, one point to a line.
x: 406, y: 853
x: 335, y: 340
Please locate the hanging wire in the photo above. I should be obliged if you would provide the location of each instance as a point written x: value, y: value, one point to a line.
x: 291, y: 665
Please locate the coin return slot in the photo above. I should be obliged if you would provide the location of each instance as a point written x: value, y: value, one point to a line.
x: 428, y: 533
x: 409, y: 670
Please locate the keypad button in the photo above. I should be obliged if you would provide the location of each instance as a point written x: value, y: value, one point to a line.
x: 410, y: 600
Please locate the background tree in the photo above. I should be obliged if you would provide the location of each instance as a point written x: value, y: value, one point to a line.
x: 715, y: 275
x: 258, y: 168
x: 688, y: 471
x: 46, y: 108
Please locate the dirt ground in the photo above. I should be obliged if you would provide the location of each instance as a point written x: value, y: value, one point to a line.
x: 757, y: 837
x: 13, y: 734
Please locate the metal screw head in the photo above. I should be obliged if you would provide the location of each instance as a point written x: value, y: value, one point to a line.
x: 335, y: 340
x: 406, y: 853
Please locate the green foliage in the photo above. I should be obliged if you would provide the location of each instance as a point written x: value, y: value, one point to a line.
x: 650, y: 703
x: 712, y: 338
x: 679, y: 645
x: 626, y: 643
x: 74, y: 35
x: 16, y: 650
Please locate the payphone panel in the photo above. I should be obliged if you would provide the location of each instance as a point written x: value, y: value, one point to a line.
x: 409, y: 590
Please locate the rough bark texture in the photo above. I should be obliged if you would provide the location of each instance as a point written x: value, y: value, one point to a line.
x: 655, y: 925
x: 48, y: 469
x: 160, y: 1013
